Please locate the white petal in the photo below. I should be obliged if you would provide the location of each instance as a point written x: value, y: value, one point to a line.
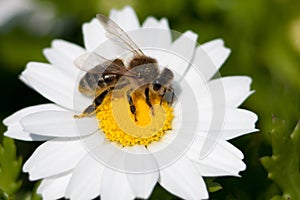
x: 159, y: 34
x: 217, y: 53
x: 144, y: 170
x: 233, y: 133
x: 56, y: 156
x: 68, y: 49
x: 15, y: 130
x: 93, y: 35
x: 152, y: 41
x: 54, y: 187
x: 50, y: 82
x: 227, y: 92
x: 62, y: 54
x: 184, y: 126
x: 184, y: 180
x: 114, y: 185
x: 232, y: 119
x: 17, y: 116
x: 225, y: 124
x: 160, y: 145
x: 152, y: 22
x: 58, y: 124
x: 228, y: 133
x: 198, y: 145
x: 195, y: 86
x: 213, y: 44
x: 86, y: 179
x: 180, y: 54
x: 204, y: 64
x: 142, y: 185
x: 125, y: 18
x: 219, y: 159
x: 169, y: 148
x: 236, y: 89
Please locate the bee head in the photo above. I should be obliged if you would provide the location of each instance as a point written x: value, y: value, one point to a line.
x: 156, y: 86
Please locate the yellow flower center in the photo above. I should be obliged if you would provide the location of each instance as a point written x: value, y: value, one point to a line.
x: 119, y: 124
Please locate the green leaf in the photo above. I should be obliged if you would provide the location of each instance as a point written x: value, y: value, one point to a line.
x: 283, y: 165
x: 10, y: 167
x: 278, y: 198
x: 34, y: 195
x: 3, y: 195
x: 212, y: 186
x: 159, y: 193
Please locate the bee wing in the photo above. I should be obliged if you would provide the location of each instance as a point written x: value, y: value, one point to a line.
x: 94, y: 63
x: 118, y: 35
x: 86, y: 62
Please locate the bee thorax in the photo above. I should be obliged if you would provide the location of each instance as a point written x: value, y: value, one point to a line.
x: 141, y: 60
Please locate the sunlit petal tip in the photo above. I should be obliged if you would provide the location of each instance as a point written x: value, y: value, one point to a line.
x: 93, y: 34
x: 150, y: 22
x: 55, y: 157
x: 164, y: 23
x: 54, y: 187
x: 58, y: 124
x: 87, y: 174
x: 19, y: 134
x: 191, y: 35
x: 50, y: 82
x: 187, y: 184
x: 216, y: 51
x: 68, y: 49
x: 125, y: 18
x: 213, y: 44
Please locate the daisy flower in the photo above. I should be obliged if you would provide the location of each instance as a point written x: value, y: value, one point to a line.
x: 120, y: 153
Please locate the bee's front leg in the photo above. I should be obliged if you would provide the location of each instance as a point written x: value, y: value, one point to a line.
x: 169, y: 89
x: 162, y: 95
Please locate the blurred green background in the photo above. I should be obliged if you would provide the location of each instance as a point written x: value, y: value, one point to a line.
x: 264, y: 36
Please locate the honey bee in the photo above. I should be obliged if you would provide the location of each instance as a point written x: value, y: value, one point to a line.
x: 102, y: 76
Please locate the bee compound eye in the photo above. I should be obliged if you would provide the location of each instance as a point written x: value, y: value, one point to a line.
x: 156, y: 86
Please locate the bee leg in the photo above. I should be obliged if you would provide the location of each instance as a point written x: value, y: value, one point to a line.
x: 91, y: 109
x: 163, y: 95
x: 99, y: 99
x: 130, y: 101
x: 172, y: 93
x: 147, y: 95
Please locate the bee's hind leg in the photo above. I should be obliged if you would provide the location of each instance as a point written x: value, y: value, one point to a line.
x: 89, y: 111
